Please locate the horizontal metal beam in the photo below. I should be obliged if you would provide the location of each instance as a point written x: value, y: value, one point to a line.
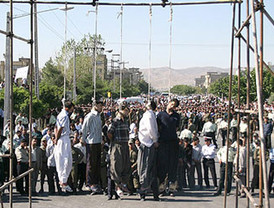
x: 7, y: 155
x: 246, y: 111
x: 128, y: 4
x: 15, y: 36
x: 15, y: 179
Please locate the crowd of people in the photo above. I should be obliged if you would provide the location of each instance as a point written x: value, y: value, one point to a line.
x: 134, y: 148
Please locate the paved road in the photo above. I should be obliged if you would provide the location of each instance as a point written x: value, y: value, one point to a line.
x: 189, y: 199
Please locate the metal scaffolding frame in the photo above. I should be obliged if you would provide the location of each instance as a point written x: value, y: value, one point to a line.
x: 256, y: 5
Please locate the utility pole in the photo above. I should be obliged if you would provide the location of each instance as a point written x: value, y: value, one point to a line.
x: 36, y: 63
x: 7, y: 75
x: 74, y: 76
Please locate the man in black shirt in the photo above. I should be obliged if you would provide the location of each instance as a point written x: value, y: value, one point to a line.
x: 168, y: 123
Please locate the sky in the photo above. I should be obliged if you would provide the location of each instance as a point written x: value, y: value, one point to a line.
x: 201, y: 34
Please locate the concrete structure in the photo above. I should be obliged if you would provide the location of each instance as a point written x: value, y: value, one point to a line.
x: 101, y: 67
x: 210, y: 77
x: 22, y: 62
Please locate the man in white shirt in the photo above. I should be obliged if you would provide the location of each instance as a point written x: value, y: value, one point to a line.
x: 208, y: 153
x: 221, y: 154
x: 52, y: 173
x: 19, y: 126
x: 146, y: 165
x: 243, y: 126
x: 223, y: 129
x: 233, y: 127
x: 209, y: 129
x: 62, y: 153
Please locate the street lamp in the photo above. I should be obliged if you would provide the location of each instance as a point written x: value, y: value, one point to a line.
x: 65, y: 9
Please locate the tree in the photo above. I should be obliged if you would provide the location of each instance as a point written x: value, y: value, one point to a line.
x: 221, y: 86
x: 50, y: 94
x: 21, y: 99
x: 183, y: 90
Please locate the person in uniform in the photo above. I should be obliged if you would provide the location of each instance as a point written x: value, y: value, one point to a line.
x: 221, y: 154
x: 208, y: 153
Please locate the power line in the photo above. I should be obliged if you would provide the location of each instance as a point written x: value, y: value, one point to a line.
x: 62, y: 23
x: 75, y: 27
x: 44, y: 22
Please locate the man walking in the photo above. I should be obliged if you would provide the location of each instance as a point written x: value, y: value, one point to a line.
x: 92, y: 136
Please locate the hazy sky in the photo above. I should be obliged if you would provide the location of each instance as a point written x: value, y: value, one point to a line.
x: 201, y: 34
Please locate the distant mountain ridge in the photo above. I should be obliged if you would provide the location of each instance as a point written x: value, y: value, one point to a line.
x: 160, y: 76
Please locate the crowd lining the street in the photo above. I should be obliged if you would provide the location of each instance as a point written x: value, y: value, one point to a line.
x: 133, y: 148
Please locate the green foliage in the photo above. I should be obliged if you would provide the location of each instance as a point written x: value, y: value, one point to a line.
x: 21, y: 102
x: 221, y: 86
x: 52, y: 75
x: 183, y: 90
x: 50, y: 94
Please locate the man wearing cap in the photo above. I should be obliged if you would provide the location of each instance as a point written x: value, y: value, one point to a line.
x: 118, y: 134
x: 196, y: 161
x: 92, y: 136
x: 221, y: 154
x: 168, y: 123
x: 62, y: 153
x: 208, y: 153
x: 146, y: 165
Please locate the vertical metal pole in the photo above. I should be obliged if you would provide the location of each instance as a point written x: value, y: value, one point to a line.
x: 261, y: 42
x: 95, y: 54
x: 74, y: 76
x: 261, y: 83
x: 170, y: 50
x: 66, y: 58
x: 121, y: 51
x: 260, y: 107
x: 260, y: 180
x: 7, y: 75
x: 36, y: 51
x: 230, y: 94
x: 247, y: 103
x: 150, y: 34
x: 30, y: 91
x: 11, y: 98
x: 239, y: 104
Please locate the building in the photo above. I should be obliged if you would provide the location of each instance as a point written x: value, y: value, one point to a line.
x: 209, y: 78
x: 22, y: 62
x: 101, y: 66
